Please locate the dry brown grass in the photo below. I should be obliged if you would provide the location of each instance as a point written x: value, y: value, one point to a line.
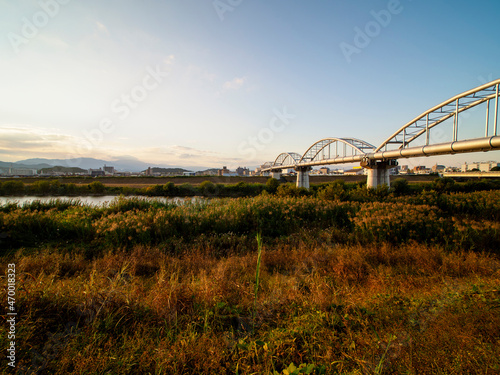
x: 352, y: 309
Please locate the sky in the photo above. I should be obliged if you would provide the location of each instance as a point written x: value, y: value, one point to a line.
x: 194, y: 83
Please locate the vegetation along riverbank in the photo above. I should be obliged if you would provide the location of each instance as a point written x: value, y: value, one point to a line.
x: 342, y: 280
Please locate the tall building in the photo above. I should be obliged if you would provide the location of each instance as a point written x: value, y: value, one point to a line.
x: 242, y: 171
x: 226, y: 172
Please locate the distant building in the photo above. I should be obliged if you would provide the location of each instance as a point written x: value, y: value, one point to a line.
x: 96, y: 172
x: 242, y: 171
x: 226, y: 172
x: 486, y: 166
x: 354, y: 172
x: 438, y: 168
x: 109, y: 170
x: 324, y: 170
x: 22, y: 172
x: 481, y: 166
x: 223, y: 171
x: 403, y: 169
x: 466, y: 167
x: 207, y: 172
x: 421, y: 169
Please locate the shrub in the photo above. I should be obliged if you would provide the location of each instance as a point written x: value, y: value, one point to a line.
x: 169, y: 189
x: 445, y: 184
x: 12, y: 188
x: 208, y: 189
x: 272, y: 185
x: 186, y: 190
x: 399, y: 222
x: 334, y: 191
x: 97, y: 187
x: 290, y: 190
x: 155, y: 191
x: 400, y: 186
x: 40, y: 187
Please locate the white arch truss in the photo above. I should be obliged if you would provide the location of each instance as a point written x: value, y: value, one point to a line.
x: 330, y: 148
x: 451, y: 108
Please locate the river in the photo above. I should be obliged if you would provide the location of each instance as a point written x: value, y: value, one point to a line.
x: 91, y: 200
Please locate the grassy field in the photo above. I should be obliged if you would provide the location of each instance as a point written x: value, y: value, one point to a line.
x: 346, y: 282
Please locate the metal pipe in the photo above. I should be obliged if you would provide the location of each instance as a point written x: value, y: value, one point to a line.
x: 455, y: 123
x: 470, y: 145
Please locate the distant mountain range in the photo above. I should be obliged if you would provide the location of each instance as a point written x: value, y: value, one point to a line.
x: 121, y: 164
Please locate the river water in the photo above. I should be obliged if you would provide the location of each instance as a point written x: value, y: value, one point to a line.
x: 90, y: 200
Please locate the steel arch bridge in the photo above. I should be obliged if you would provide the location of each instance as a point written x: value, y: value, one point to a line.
x: 402, y: 143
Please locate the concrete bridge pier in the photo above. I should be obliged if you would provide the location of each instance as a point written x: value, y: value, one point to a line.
x: 378, y: 172
x: 303, y: 177
x: 276, y: 173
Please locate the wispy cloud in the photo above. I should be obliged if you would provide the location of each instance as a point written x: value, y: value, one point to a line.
x: 187, y: 156
x: 19, y: 142
x: 169, y: 60
x: 101, y: 28
x: 235, y: 84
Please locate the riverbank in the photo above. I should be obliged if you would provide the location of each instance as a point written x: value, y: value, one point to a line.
x: 214, y: 188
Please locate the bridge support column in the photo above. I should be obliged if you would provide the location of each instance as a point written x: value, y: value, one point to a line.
x: 303, y: 177
x: 276, y: 174
x: 378, y: 172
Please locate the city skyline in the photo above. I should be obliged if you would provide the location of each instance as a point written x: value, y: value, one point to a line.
x: 233, y: 83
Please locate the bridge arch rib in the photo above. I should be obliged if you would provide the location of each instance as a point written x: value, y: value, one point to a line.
x: 267, y: 165
x: 355, y: 146
x: 451, y: 108
x: 286, y: 158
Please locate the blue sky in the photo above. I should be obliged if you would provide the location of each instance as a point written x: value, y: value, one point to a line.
x: 231, y: 82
